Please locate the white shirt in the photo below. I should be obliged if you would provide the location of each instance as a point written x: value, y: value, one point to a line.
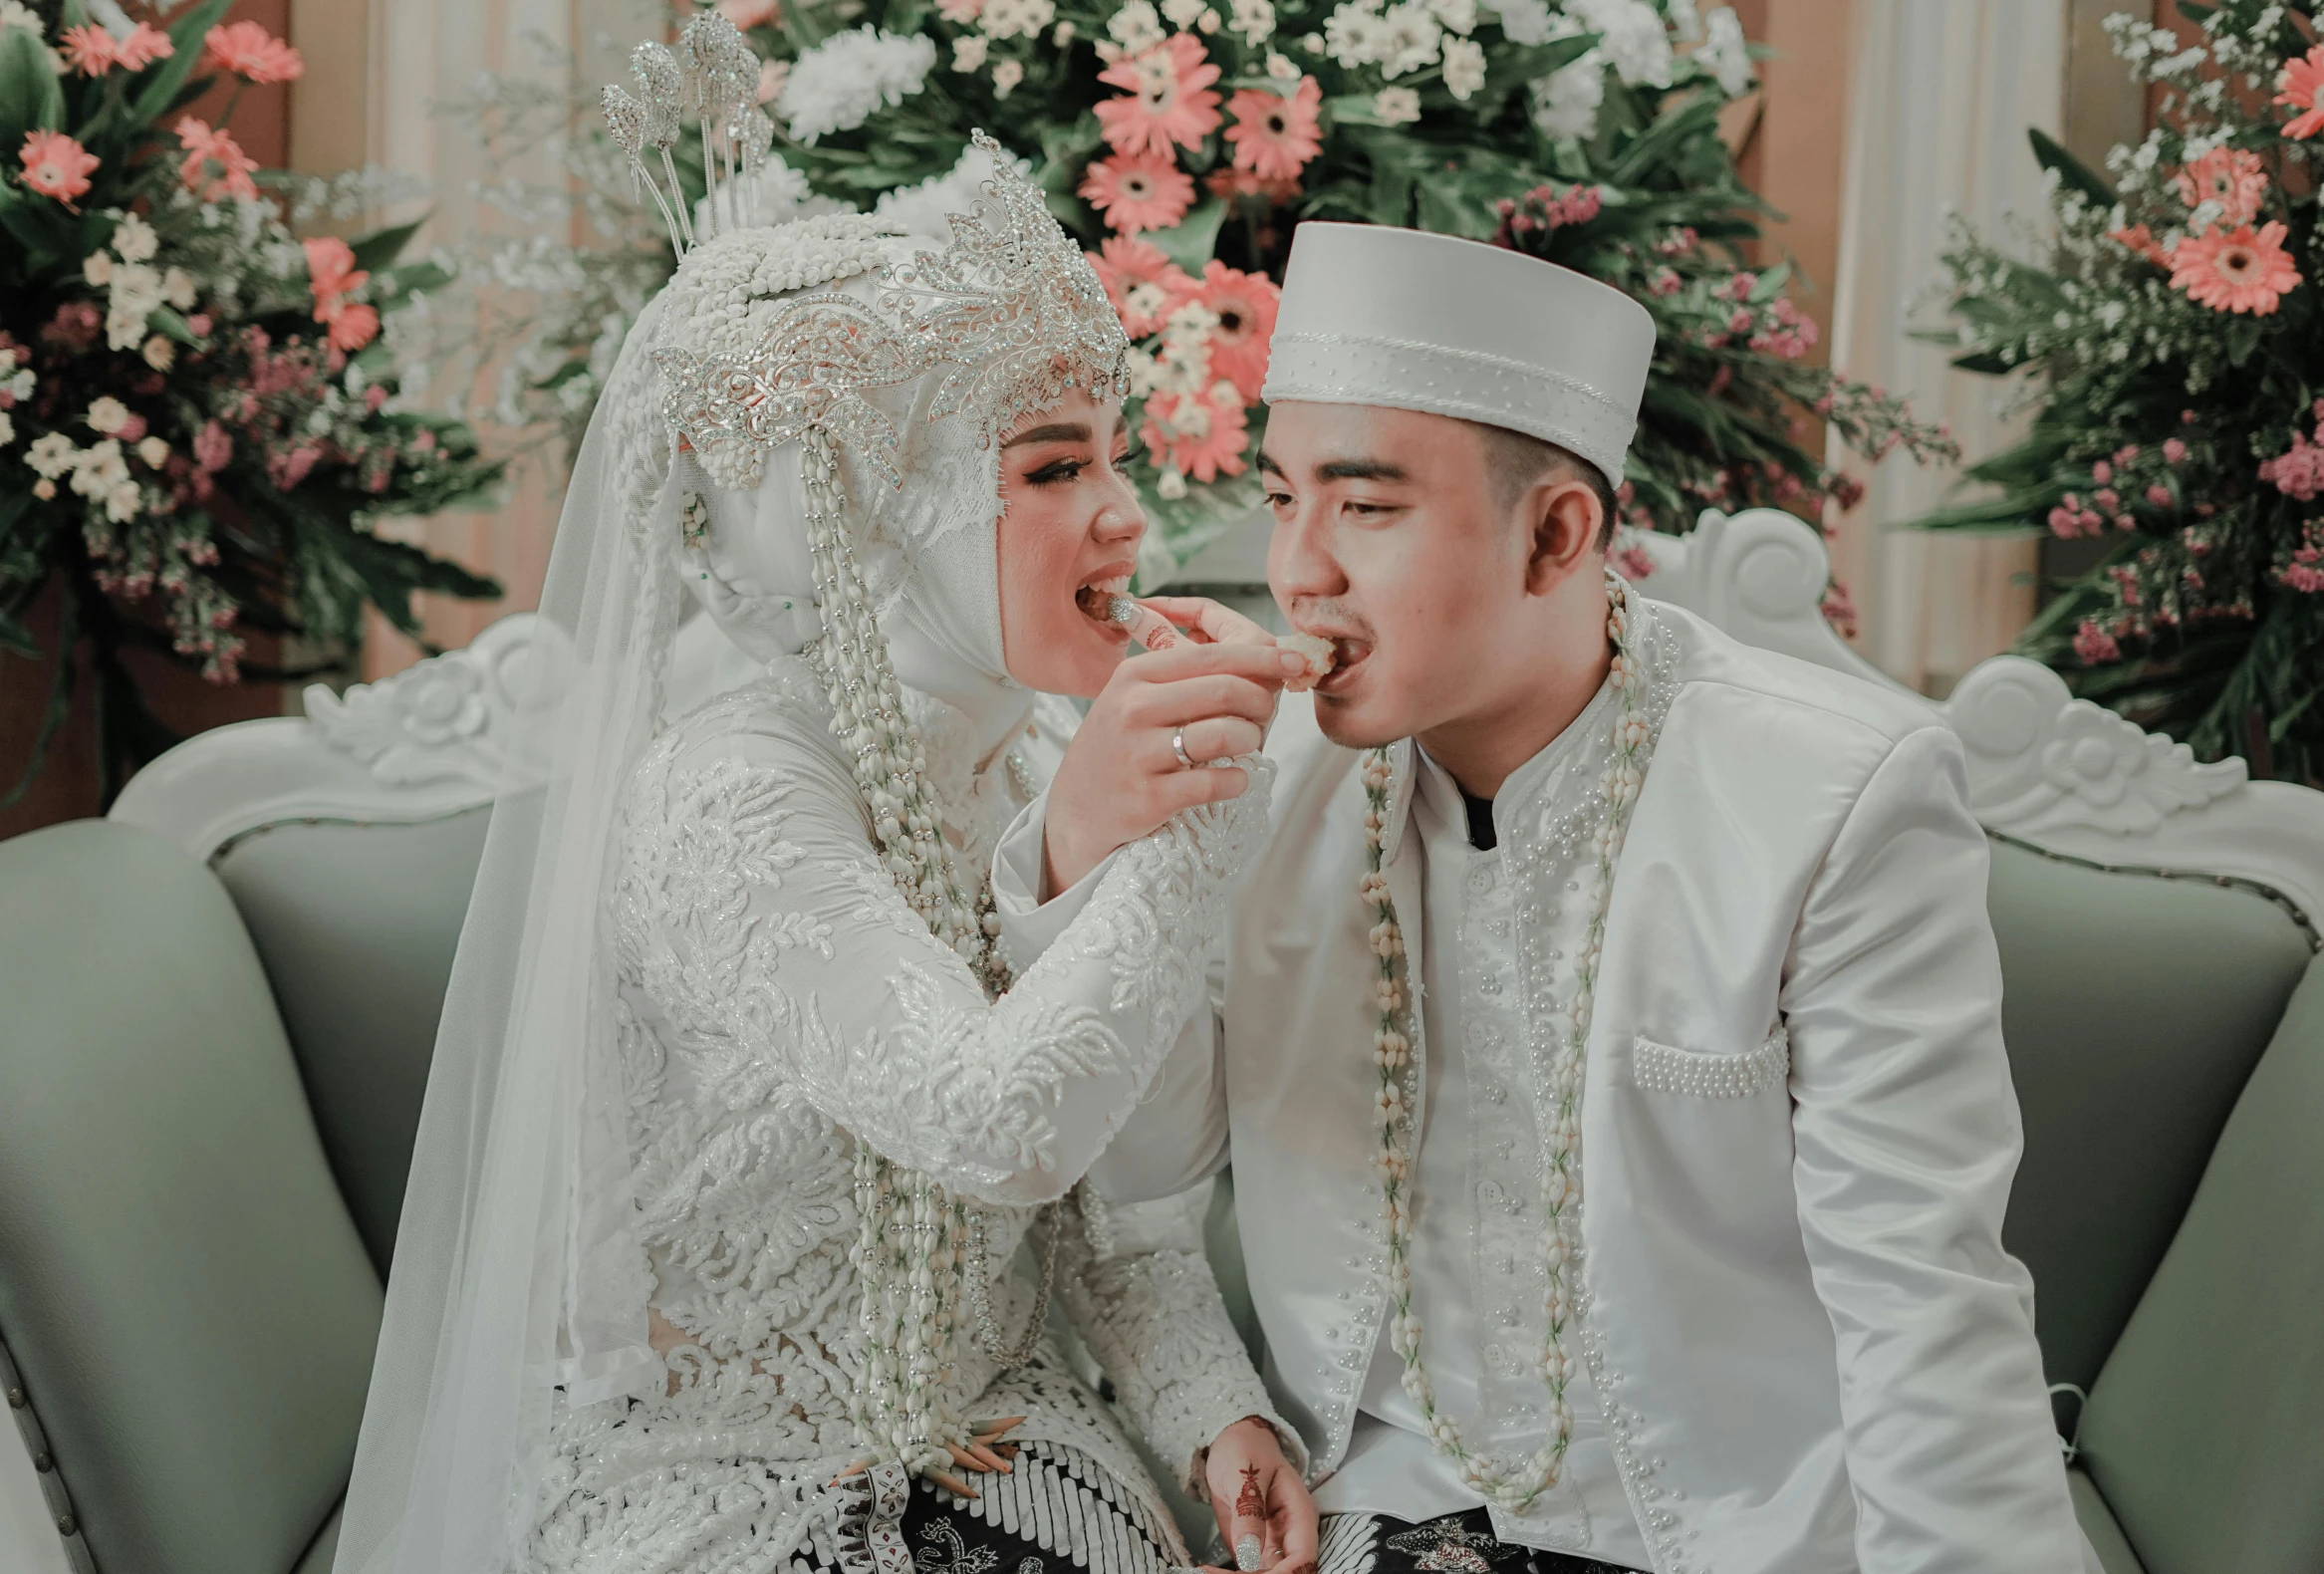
x: 1478, y: 1274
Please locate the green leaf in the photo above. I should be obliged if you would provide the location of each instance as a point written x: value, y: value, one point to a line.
x: 164, y: 321
x: 1517, y: 67
x: 31, y: 99
x: 1196, y: 238
x: 379, y: 248
x: 1986, y: 362
x: 2194, y: 12
x: 160, y: 93
x: 2050, y: 153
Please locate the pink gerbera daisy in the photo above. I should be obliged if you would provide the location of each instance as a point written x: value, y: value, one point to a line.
x: 2240, y: 271
x: 1274, y: 136
x: 2229, y: 176
x: 89, y: 49
x: 1169, y: 97
x: 206, y: 146
x: 1244, y: 304
x: 145, y: 45
x: 2300, y: 85
x: 251, y: 53
x: 1201, y: 435
x: 1143, y: 285
x: 54, y: 165
x: 1137, y: 191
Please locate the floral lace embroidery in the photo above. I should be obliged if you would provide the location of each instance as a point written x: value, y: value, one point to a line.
x: 1141, y: 1291
x: 744, y: 907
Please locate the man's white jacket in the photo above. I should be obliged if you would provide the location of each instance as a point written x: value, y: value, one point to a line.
x: 1798, y: 1131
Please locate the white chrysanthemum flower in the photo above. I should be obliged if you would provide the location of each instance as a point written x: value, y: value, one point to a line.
x: 1007, y: 76
x: 969, y: 51
x: 1458, y: 16
x: 1183, y: 14
x: 1565, y: 103
x: 1632, y: 36
x: 1725, y: 53
x: 836, y: 85
x: 1524, y: 21
x: 124, y: 502
x: 1464, y: 67
x: 154, y: 452
x: 925, y: 210
x: 14, y: 13
x: 1137, y: 27
x: 1016, y: 18
x: 100, y: 469
x: 1282, y: 67
x: 1353, y: 34
x: 1254, y: 20
x: 1685, y: 21
x: 51, y: 454
x: 1410, y: 36
x: 134, y: 239
x: 107, y: 415
x: 96, y: 269
x: 1397, y: 105
x: 7, y: 428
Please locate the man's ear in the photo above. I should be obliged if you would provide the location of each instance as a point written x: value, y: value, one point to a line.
x: 1562, y: 518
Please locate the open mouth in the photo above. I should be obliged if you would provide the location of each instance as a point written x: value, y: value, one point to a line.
x: 1101, y: 598
x: 1348, y: 656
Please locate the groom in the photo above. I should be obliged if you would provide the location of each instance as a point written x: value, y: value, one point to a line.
x: 1609, y: 1056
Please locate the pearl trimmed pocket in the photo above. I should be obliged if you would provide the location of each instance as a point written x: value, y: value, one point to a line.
x: 1657, y: 1068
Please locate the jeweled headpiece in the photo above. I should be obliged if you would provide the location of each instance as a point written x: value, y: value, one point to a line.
x: 1010, y: 311
x: 1373, y: 315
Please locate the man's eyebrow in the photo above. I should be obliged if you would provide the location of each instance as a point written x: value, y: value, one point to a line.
x: 1055, y: 431
x: 1360, y: 470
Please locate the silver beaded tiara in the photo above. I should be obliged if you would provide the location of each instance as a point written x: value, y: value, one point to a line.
x: 713, y: 76
x: 1011, y: 310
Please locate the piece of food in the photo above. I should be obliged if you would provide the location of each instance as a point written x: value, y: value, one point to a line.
x: 1319, y: 654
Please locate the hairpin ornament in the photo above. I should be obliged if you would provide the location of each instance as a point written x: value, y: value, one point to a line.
x: 712, y: 75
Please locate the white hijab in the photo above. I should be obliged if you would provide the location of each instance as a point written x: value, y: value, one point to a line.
x: 517, y: 1272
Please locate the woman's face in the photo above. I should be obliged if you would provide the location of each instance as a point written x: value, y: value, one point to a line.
x: 1070, y: 522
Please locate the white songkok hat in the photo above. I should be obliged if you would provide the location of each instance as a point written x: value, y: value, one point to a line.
x: 1406, y: 319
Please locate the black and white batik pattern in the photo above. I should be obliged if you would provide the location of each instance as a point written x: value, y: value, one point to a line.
x: 1461, y: 1543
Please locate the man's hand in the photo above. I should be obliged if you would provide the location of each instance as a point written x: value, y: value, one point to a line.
x: 1120, y: 778
x: 1264, y: 1513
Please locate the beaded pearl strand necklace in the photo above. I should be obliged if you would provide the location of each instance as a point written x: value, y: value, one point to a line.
x: 1512, y: 1485
x: 917, y: 1246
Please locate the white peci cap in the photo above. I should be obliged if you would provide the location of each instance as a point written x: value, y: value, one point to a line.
x: 1398, y: 318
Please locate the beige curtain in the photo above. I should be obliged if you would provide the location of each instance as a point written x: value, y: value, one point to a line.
x: 1943, y: 93
x: 377, y: 69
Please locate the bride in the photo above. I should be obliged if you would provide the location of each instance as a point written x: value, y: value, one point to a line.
x: 737, y: 1117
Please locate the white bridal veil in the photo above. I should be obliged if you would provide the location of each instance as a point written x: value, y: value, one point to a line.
x: 517, y: 1271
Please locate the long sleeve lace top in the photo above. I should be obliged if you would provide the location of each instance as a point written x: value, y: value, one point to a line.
x: 777, y: 998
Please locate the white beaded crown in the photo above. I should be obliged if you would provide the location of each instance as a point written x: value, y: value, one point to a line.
x: 1009, y: 313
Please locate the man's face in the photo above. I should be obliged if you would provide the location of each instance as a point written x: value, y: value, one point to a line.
x: 1389, y: 543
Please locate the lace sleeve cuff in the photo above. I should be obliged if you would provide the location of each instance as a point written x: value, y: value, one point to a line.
x: 1142, y: 1295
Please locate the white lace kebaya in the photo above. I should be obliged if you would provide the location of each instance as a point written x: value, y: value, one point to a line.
x: 729, y: 1113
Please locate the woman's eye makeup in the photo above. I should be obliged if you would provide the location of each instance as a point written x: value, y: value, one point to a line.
x: 1058, y: 471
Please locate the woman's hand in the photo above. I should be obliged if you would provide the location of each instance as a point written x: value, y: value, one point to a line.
x: 1128, y: 768
x: 1264, y: 1513
x: 1205, y: 621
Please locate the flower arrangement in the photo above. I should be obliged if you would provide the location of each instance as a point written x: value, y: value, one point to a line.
x: 2168, y: 345
x: 198, y: 423
x: 1183, y: 140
